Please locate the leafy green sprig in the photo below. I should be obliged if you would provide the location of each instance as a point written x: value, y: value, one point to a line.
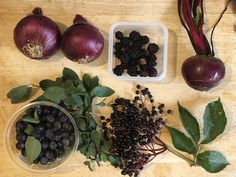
x: 214, y: 125
x: 76, y: 95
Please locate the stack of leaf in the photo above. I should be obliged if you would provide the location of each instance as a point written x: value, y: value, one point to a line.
x: 76, y: 96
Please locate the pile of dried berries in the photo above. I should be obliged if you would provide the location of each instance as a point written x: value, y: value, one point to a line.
x: 133, y: 55
x: 133, y: 129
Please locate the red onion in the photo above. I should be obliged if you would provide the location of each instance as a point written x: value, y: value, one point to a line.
x: 37, y: 36
x: 82, y: 42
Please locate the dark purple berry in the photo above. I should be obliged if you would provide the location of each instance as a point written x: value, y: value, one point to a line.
x: 21, y: 137
x: 118, y: 70
x: 153, y: 48
x: 65, y: 141
x: 44, y: 160
x: 119, y: 35
x: 57, y: 125
x: 53, y: 145
x: 20, y: 145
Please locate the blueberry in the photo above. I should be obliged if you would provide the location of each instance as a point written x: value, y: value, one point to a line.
x: 54, y: 111
x: 46, y: 110
x: 50, y: 118
x: 48, y: 125
x: 21, y: 125
x: 43, y: 160
x: 65, y: 135
x: 53, y: 145
x: 20, y: 145
x: 63, y: 118
x: 50, y: 134
x: 65, y: 141
x: 57, y: 125
x: 58, y: 136
x: 21, y: 137
x: 49, y: 154
x: 59, y: 152
x: 60, y: 145
x: 53, y: 159
x: 72, y: 139
x: 45, y: 145
x: 65, y: 126
x: 40, y: 128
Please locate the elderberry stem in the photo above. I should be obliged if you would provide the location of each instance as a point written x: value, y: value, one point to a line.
x: 172, y: 150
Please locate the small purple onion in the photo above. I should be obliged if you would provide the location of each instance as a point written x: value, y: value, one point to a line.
x: 37, y: 36
x: 203, y: 72
x: 82, y: 42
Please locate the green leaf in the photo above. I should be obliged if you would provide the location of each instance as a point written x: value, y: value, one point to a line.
x: 87, y: 81
x: 44, y: 84
x: 83, y: 149
x: 41, y: 98
x: 36, y: 116
x: 106, y: 145
x: 114, y: 160
x: 30, y: 120
x: 94, y: 82
x: 81, y: 124
x: 190, y: 123
x: 29, y: 129
x: 101, y: 91
x: 32, y: 149
x: 87, y: 100
x: 181, y: 141
x: 214, y: 121
x: 69, y: 74
x: 212, y: 161
x: 55, y: 94
x: 19, y: 94
x: 91, y: 151
x: 67, y: 151
x: 59, y: 82
x: 77, y: 100
x: 96, y: 138
x: 92, y: 122
x: 104, y: 156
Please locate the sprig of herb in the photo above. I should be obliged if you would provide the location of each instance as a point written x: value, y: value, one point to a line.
x: 76, y: 95
x: 214, y: 125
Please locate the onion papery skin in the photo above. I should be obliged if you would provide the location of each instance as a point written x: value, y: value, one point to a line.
x: 203, y: 72
x: 37, y: 36
x: 82, y: 42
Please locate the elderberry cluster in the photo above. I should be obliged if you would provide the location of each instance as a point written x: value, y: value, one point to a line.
x: 133, y: 129
x: 133, y: 55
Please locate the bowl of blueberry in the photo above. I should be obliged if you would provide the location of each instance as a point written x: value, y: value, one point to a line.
x: 138, y: 51
x: 41, y: 137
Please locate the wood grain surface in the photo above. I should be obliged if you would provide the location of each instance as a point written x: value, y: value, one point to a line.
x: 16, y: 69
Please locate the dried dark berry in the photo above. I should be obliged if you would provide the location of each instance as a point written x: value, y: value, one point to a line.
x: 145, y: 39
x: 137, y: 92
x: 138, y: 86
x: 119, y: 35
x: 132, y: 71
x: 118, y: 53
x: 118, y: 46
x: 153, y: 48
x: 102, y: 118
x: 152, y: 72
x: 161, y: 111
x: 118, y: 70
x: 152, y: 101
x: 144, y: 72
x: 125, y: 41
x: 134, y: 35
x: 125, y: 58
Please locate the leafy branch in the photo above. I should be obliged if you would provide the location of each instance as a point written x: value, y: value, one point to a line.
x: 76, y: 95
x: 214, y: 125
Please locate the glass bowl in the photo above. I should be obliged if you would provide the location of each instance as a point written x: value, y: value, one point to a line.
x: 157, y: 33
x: 15, y: 154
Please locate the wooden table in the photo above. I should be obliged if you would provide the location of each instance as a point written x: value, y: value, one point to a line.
x: 15, y: 69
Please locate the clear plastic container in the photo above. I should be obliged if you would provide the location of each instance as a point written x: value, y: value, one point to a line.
x: 157, y: 33
x: 15, y: 154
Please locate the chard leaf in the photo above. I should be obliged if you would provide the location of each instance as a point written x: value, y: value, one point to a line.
x: 19, y: 94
